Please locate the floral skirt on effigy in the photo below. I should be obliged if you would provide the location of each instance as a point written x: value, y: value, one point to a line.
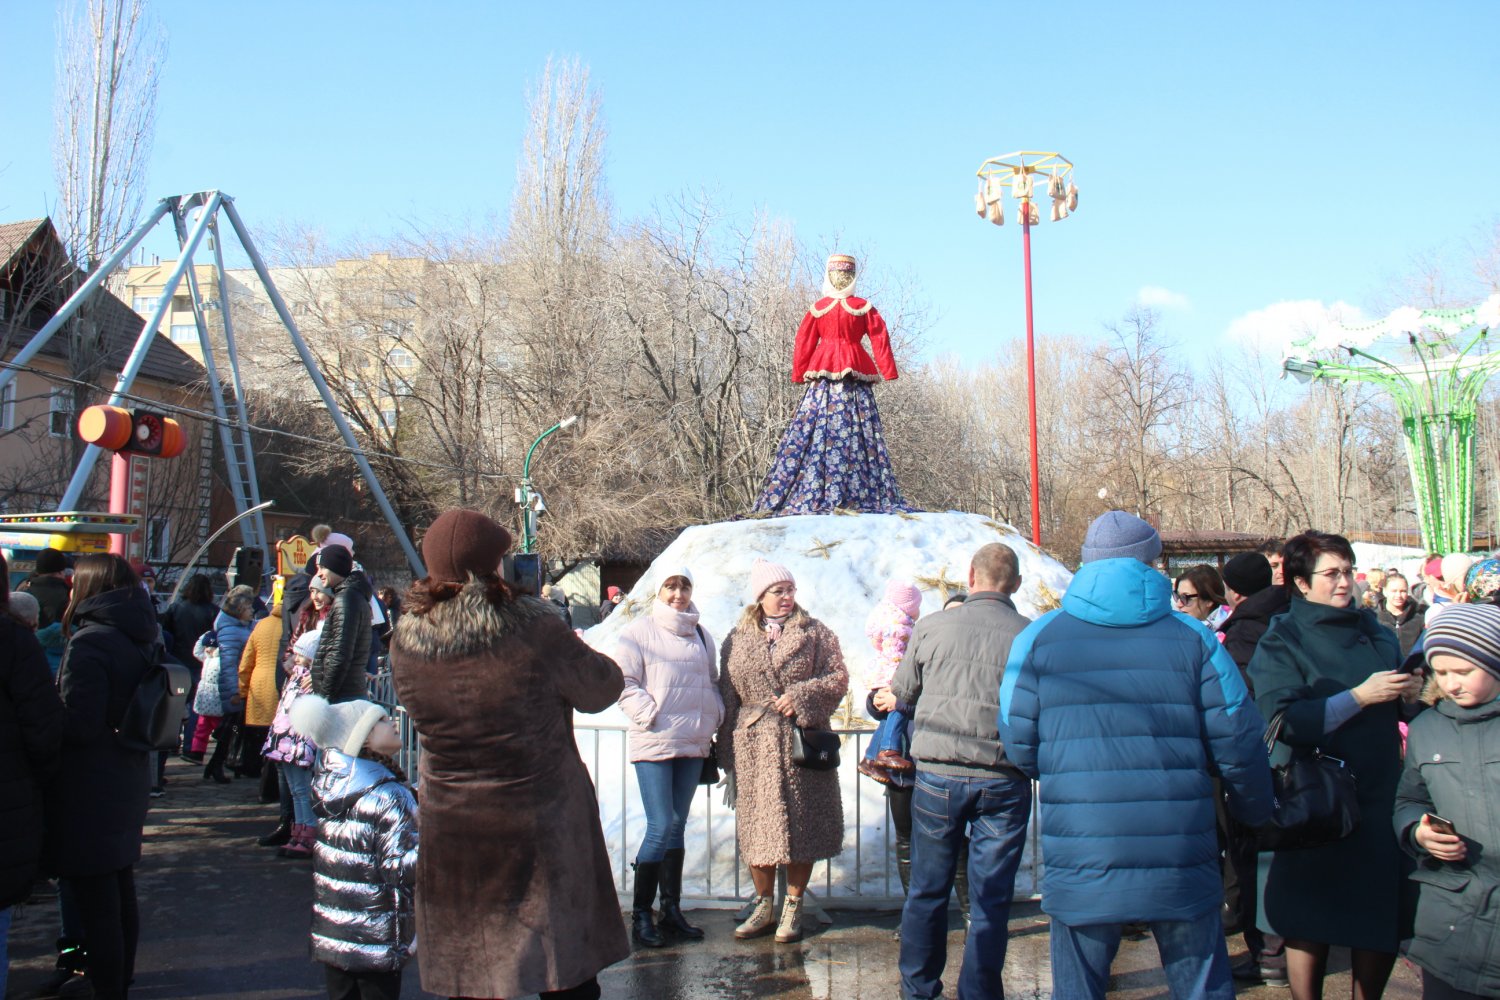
x: 832, y: 455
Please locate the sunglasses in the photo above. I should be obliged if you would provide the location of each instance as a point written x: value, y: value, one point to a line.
x: 1182, y: 598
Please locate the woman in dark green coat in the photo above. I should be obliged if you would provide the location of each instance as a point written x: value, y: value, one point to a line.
x: 1332, y: 666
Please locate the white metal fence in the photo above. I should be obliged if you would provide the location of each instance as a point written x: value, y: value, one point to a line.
x: 864, y: 874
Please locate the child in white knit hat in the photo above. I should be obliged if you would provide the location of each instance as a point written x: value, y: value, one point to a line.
x: 889, y: 630
x: 365, y: 858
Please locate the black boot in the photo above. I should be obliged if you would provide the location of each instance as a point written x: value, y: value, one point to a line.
x: 903, y: 870
x: 215, y: 767
x: 671, y: 897
x: 278, y: 836
x: 961, y: 881
x: 642, y: 925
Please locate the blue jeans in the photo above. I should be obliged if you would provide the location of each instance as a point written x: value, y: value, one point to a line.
x: 667, y: 790
x: 892, y: 734
x: 996, y: 811
x: 299, y: 783
x: 1192, y: 952
x: 5, y: 915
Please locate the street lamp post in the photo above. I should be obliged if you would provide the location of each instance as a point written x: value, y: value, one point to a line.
x: 1017, y: 172
x: 526, y: 496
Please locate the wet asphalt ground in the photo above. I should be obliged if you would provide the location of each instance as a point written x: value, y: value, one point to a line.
x: 224, y: 919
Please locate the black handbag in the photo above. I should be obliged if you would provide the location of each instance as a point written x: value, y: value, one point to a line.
x: 710, y: 773
x: 1317, y: 798
x: 815, y: 749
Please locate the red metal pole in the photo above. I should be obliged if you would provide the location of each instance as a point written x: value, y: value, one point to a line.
x: 119, y: 497
x: 1036, y: 481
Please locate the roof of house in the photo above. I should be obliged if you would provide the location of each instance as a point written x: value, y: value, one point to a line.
x: 1212, y: 541
x: 119, y: 326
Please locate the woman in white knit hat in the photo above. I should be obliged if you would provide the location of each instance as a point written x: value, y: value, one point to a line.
x: 674, y: 707
x: 779, y: 669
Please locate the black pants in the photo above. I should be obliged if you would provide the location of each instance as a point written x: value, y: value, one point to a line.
x: 588, y: 990
x: 363, y: 985
x: 111, y: 927
x: 252, y: 738
x: 1434, y: 988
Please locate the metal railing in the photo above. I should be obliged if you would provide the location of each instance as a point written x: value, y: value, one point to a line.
x: 863, y: 874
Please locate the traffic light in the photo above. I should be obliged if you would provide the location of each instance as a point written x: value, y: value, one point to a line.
x: 143, y: 432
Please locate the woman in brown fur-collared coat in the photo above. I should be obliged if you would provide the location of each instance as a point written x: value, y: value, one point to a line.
x: 514, y: 890
x: 779, y: 667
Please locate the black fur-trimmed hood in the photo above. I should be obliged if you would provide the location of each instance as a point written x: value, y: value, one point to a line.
x: 467, y: 624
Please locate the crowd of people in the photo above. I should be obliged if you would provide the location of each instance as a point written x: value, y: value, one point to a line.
x: 1138, y: 708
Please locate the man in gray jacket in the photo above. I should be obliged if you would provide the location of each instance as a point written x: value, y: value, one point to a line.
x: 951, y: 677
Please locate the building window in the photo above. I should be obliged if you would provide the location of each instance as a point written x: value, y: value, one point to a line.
x: 396, y: 328
x: 400, y: 357
x: 184, y: 333
x: 60, y: 414
x: 388, y: 419
x: 145, y: 304
x: 399, y: 299
x: 158, y: 539
x: 8, y: 406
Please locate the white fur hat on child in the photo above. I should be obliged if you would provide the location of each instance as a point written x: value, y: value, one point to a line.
x: 344, y: 726
x: 307, y: 643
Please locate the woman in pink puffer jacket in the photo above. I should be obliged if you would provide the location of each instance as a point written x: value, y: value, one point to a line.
x: 672, y: 697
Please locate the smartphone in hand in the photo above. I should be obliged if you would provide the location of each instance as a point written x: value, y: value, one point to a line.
x: 1441, y: 825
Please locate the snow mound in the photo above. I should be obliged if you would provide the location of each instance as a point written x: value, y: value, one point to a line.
x: 841, y: 564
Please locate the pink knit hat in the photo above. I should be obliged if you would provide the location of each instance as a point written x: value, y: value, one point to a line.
x: 904, y: 596
x: 763, y: 576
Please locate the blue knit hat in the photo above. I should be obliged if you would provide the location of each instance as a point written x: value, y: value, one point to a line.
x: 1118, y: 535
x: 1468, y: 631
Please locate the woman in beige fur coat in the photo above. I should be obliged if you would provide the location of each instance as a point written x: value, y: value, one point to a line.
x: 779, y: 667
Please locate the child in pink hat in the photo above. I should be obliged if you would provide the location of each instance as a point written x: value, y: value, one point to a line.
x: 889, y: 629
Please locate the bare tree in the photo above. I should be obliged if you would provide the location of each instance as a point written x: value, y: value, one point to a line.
x: 110, y: 58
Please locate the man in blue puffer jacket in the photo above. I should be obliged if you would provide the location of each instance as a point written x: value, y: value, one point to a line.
x: 1126, y: 710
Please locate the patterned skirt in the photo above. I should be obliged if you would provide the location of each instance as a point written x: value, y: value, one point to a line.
x: 833, y: 455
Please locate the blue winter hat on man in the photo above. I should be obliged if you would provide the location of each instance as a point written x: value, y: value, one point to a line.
x: 1118, y: 535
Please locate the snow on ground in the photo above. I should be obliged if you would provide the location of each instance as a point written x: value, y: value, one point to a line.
x: 841, y: 564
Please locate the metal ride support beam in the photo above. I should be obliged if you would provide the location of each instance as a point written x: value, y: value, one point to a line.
x: 143, y: 342
x: 322, y: 385
x: 253, y: 478
x: 215, y: 386
x: 39, y: 339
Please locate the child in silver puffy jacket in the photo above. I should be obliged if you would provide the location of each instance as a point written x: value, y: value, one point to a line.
x: 365, y: 857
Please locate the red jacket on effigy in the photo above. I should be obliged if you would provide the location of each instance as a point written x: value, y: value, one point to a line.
x: 828, y: 342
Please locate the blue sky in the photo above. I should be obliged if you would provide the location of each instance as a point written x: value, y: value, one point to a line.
x: 1234, y: 156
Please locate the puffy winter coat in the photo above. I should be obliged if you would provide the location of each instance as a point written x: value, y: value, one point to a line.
x: 1125, y: 710
x: 96, y: 806
x: 232, y: 635
x: 258, y: 669
x: 889, y: 630
x: 784, y: 813
x: 671, y: 692
x: 31, y: 729
x: 1452, y: 762
x: 364, y: 865
x: 339, y: 670
x: 951, y: 677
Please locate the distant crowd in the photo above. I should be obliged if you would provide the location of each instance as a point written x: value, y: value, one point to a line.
x: 1164, y: 718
